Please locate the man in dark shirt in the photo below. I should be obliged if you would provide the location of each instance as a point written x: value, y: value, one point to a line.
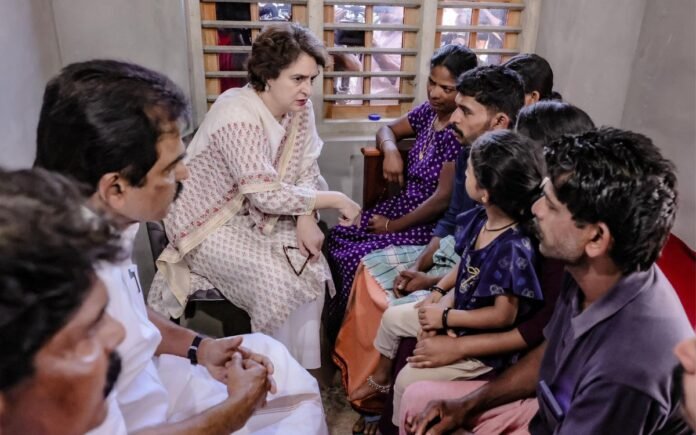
x: 606, y: 211
x: 489, y: 98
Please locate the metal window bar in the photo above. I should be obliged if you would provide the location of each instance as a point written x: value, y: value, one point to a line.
x: 480, y: 5
x: 396, y: 102
x: 510, y: 31
x: 293, y: 2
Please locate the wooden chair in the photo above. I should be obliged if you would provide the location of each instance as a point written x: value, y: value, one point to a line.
x: 234, y: 320
x: 375, y: 187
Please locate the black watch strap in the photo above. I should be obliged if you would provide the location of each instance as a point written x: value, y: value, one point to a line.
x: 440, y: 290
x: 193, y: 349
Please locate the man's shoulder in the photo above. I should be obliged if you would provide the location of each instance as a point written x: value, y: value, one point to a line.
x: 634, y: 346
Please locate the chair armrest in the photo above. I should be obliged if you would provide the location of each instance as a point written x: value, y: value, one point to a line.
x: 370, y: 152
x: 374, y: 185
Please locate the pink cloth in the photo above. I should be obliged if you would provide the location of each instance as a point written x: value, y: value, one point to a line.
x: 512, y: 418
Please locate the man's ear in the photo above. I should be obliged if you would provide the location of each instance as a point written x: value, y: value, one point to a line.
x: 111, y: 189
x: 534, y: 97
x: 500, y: 121
x: 600, y: 243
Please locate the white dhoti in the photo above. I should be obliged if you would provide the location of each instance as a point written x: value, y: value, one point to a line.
x: 296, y: 407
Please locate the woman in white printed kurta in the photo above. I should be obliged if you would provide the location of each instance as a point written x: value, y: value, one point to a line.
x: 253, y: 173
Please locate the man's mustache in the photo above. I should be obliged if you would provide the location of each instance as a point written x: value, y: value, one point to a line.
x: 112, y: 372
x: 179, y: 188
x: 457, y: 130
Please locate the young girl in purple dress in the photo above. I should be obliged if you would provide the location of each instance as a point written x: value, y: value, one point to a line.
x: 409, y: 217
x: 495, y: 285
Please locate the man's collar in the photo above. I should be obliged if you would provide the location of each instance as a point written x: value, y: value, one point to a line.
x: 620, y: 295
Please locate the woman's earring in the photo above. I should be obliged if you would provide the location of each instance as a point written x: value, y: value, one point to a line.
x: 267, y: 88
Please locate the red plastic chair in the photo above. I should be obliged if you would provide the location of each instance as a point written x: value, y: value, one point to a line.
x: 678, y: 262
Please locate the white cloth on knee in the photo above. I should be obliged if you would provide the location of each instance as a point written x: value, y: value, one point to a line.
x: 152, y: 391
x: 295, y: 408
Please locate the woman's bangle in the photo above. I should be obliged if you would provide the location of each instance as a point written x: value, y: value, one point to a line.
x: 440, y: 290
x: 386, y: 226
x: 444, y: 318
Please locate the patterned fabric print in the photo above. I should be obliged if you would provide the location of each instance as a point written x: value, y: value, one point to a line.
x: 244, y: 258
x: 347, y: 245
x: 504, y: 266
x: 258, y: 278
x: 385, y: 264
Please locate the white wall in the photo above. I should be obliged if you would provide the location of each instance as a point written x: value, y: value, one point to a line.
x: 30, y: 57
x: 591, y: 44
x: 631, y: 64
x: 661, y: 97
x: 151, y: 33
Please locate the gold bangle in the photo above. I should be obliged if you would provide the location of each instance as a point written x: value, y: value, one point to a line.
x: 386, y: 226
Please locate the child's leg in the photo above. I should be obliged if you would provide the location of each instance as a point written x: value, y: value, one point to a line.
x: 461, y: 370
x: 397, y: 321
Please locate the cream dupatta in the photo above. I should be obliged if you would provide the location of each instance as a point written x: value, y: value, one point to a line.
x: 171, y: 263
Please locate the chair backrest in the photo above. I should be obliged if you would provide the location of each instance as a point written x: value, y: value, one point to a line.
x: 158, y: 239
x: 375, y: 186
x: 678, y: 263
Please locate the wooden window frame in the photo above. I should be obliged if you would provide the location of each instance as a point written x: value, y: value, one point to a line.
x: 204, y: 70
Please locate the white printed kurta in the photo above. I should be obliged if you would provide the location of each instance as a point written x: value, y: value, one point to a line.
x: 151, y: 391
x: 250, y: 175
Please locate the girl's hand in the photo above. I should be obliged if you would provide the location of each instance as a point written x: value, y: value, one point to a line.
x: 430, y: 317
x: 309, y: 237
x: 393, y: 167
x: 432, y: 298
x: 377, y: 224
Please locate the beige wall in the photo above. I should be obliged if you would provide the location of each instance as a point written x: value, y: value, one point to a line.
x: 631, y: 64
x: 661, y: 97
x: 30, y: 56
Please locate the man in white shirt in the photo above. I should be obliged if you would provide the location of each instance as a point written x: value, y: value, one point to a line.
x: 58, y: 361
x: 116, y: 127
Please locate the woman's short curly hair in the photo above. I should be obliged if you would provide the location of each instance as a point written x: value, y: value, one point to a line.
x: 277, y: 47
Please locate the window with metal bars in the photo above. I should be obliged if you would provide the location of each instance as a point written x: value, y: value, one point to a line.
x: 379, y: 48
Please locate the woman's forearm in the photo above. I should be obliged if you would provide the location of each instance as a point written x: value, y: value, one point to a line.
x: 433, y: 207
x: 329, y: 199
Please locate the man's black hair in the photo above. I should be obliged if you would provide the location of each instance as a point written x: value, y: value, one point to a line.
x: 546, y: 121
x: 497, y: 88
x: 619, y: 178
x: 105, y: 116
x: 48, y: 250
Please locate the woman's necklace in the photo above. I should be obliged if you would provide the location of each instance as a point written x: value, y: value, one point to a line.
x: 492, y: 230
x: 428, y: 140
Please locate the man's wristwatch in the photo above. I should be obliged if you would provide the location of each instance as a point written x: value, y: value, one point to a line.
x: 193, y: 349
